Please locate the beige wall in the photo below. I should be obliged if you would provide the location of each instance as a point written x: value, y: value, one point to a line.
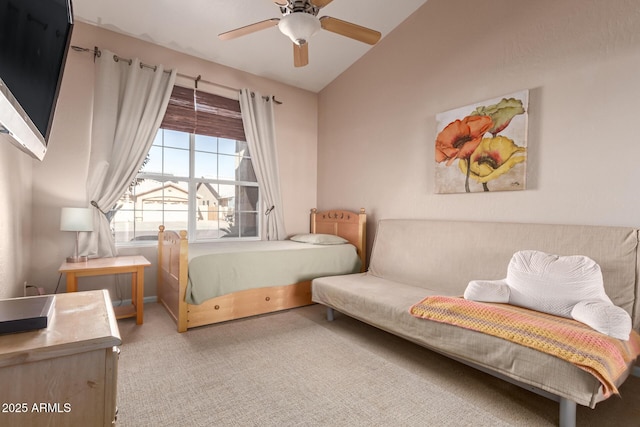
x: 60, y: 179
x: 375, y: 125
x: 580, y: 59
x: 15, y: 218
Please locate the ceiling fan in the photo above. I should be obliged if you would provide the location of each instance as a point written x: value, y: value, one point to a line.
x: 300, y: 21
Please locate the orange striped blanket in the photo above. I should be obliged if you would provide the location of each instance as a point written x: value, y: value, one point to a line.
x: 604, y: 357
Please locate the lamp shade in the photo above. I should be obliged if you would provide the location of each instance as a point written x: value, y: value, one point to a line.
x: 299, y: 27
x: 76, y: 219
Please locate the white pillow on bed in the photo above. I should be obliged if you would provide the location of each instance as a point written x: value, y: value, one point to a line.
x: 567, y: 286
x: 319, y: 239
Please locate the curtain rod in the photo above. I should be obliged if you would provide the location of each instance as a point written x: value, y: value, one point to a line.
x: 97, y: 53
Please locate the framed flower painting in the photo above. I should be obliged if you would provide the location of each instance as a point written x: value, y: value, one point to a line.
x: 483, y: 147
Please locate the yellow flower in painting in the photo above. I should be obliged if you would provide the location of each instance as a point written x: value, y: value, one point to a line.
x: 493, y: 157
x: 460, y: 138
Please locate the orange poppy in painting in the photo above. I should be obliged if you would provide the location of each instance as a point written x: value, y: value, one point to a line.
x: 461, y: 137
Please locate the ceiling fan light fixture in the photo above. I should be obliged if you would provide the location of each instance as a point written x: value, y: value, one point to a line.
x: 299, y: 27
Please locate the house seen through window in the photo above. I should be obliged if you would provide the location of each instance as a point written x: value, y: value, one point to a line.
x: 204, y: 184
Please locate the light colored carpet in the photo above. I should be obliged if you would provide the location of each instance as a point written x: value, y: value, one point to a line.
x: 294, y: 368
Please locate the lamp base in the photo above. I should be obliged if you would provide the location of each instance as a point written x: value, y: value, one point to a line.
x: 73, y: 259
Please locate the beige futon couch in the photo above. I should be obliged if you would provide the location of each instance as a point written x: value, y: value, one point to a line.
x: 412, y: 259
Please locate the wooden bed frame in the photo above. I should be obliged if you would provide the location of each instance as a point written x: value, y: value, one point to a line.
x: 173, y: 259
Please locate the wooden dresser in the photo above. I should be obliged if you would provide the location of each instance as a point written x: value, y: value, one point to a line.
x: 66, y: 374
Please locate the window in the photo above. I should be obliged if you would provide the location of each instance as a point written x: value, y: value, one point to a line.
x: 195, y: 178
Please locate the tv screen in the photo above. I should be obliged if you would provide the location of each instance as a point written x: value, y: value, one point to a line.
x: 34, y: 40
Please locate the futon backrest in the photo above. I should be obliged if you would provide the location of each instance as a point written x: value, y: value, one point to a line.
x: 444, y: 256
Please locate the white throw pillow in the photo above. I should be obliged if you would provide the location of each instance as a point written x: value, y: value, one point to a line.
x: 487, y: 291
x: 567, y: 286
x: 605, y: 318
x: 554, y: 284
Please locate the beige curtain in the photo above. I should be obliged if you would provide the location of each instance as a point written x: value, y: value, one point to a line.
x: 129, y: 104
x: 259, y: 128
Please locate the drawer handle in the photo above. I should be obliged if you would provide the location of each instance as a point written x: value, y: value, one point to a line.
x: 267, y: 299
x: 217, y: 307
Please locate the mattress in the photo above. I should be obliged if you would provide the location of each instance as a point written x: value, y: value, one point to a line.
x: 217, y: 269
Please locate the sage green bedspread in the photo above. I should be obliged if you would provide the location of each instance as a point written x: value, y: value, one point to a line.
x: 222, y: 268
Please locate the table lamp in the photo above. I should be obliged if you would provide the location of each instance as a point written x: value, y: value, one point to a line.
x: 76, y: 219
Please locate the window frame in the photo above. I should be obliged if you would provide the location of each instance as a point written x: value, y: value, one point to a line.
x: 192, y: 206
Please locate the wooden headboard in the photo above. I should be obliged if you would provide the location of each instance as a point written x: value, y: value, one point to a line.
x: 346, y: 224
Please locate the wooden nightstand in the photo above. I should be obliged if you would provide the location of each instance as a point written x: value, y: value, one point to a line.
x: 102, y: 266
x: 65, y: 374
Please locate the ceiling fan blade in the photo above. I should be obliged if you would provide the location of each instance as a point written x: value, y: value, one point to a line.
x: 281, y: 2
x: 300, y: 54
x: 320, y: 3
x: 243, y: 31
x: 347, y: 29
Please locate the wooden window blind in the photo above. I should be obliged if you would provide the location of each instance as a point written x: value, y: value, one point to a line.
x: 203, y: 113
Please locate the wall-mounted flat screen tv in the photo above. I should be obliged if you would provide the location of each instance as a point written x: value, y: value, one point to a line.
x: 34, y: 41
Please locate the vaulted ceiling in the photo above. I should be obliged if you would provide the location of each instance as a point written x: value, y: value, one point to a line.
x: 192, y: 27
